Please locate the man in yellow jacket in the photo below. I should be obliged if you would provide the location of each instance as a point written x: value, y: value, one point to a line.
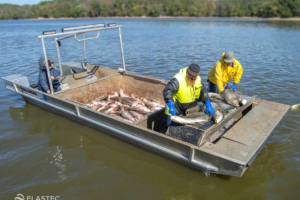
x: 184, y: 91
x: 224, y: 70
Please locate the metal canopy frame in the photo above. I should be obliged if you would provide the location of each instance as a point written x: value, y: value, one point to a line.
x: 69, y: 34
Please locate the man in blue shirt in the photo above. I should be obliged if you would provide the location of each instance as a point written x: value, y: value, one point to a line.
x: 43, y: 84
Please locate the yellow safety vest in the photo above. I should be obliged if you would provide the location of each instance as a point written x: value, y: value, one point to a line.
x: 187, y: 94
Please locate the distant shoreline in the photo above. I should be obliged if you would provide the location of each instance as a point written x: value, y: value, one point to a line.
x: 172, y: 17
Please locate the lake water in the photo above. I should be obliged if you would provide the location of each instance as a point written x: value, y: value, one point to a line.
x: 43, y: 154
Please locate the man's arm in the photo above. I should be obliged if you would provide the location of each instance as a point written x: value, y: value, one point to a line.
x: 43, y: 81
x: 203, y: 94
x: 205, y: 98
x: 54, y: 73
x: 238, y: 74
x: 171, y: 88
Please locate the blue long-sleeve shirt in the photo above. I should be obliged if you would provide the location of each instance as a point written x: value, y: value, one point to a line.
x: 43, y: 84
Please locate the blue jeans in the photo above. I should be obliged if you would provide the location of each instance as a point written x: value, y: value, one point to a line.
x: 213, y: 88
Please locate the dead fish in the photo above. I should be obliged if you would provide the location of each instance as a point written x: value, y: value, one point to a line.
x: 109, y: 110
x: 199, y: 114
x: 215, y: 96
x: 122, y: 98
x: 115, y: 112
x: 142, y: 108
x: 194, y: 109
x: 138, y: 110
x: 136, y: 115
x: 152, y: 103
x: 242, y: 101
x: 153, y: 109
x: 126, y: 115
x: 104, y: 109
x: 101, y: 98
x: 231, y: 98
x: 217, y: 116
x: 140, y: 102
x: 96, y: 106
x: 122, y: 94
x: 190, y: 121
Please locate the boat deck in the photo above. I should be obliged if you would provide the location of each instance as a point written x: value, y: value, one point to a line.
x: 246, y: 138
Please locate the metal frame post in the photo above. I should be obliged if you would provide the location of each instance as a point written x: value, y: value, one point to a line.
x: 58, y: 55
x: 84, y: 50
x: 120, y: 35
x: 47, y: 67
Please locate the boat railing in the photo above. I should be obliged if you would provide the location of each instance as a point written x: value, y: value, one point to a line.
x: 69, y: 32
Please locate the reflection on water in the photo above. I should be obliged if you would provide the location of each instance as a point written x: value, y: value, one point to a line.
x: 57, y: 160
x: 88, y: 164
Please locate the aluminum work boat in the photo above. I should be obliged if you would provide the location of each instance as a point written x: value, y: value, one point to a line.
x: 226, y: 148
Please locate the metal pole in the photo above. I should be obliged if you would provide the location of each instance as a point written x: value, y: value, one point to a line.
x: 47, y: 67
x: 58, y: 55
x: 122, y: 49
x: 84, y: 50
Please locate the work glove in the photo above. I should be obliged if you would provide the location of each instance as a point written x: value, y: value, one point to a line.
x: 171, y: 106
x: 233, y: 87
x: 209, y: 108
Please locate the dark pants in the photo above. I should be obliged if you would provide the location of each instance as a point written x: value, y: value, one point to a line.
x: 213, y: 88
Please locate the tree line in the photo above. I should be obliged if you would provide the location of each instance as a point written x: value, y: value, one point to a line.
x: 152, y: 8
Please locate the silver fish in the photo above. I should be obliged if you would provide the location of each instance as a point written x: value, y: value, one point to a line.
x: 231, y: 98
x: 217, y: 116
x: 136, y: 115
x: 142, y: 108
x: 215, y: 96
x: 194, y: 109
x: 241, y: 101
x: 190, y: 121
x: 121, y: 98
x: 126, y: 115
x: 138, y: 110
x: 151, y: 104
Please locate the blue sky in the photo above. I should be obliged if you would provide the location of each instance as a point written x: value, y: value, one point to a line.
x: 20, y: 2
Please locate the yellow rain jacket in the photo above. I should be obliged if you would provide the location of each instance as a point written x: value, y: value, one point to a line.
x: 221, y: 74
x: 187, y: 95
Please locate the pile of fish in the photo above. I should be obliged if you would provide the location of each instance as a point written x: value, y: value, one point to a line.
x: 125, y: 107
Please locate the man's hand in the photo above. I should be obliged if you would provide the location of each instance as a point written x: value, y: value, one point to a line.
x: 223, y: 94
x: 233, y: 87
x: 171, y: 106
x: 48, y: 91
x: 209, y: 108
x: 52, y: 77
